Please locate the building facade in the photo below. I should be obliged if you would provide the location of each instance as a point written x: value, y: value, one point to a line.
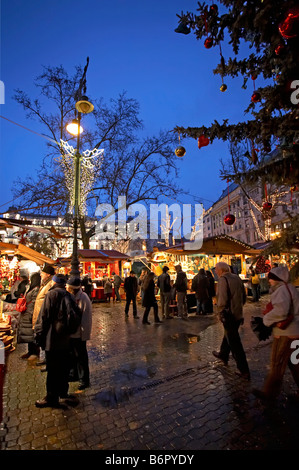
x: 253, y: 224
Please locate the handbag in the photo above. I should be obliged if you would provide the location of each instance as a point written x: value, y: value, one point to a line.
x: 262, y: 331
x: 21, y: 304
x: 226, y: 316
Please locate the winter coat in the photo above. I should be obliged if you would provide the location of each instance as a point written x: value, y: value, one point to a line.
x: 40, y: 299
x: 117, y: 280
x: 181, y: 282
x: 107, y: 287
x: 281, y: 302
x: 84, y: 303
x: 200, y: 285
x: 164, y: 282
x: 211, y: 288
x: 25, y: 332
x: 237, y: 293
x: 149, y: 298
x: 131, y: 286
x: 48, y: 332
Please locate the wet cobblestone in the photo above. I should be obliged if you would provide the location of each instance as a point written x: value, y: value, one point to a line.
x: 155, y: 387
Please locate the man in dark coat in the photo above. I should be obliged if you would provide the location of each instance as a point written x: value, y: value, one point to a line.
x: 131, y: 288
x: 164, y: 286
x: 181, y: 285
x: 231, y: 293
x: 200, y: 285
x: 52, y: 333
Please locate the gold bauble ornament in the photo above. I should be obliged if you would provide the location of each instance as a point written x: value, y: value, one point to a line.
x: 180, y: 151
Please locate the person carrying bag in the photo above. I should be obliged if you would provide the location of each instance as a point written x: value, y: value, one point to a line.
x: 283, y: 316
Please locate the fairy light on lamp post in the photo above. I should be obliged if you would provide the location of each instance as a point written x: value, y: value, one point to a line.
x: 74, y: 160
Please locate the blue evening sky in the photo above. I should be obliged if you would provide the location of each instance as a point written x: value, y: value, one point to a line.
x: 132, y: 47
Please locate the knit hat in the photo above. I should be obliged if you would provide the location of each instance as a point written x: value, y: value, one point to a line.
x: 281, y: 273
x: 59, y: 279
x: 48, y: 269
x: 74, y: 282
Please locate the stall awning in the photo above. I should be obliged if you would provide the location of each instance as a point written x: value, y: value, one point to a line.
x: 218, y: 245
x: 25, y: 252
x: 100, y: 256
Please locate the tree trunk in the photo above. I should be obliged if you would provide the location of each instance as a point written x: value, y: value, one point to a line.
x: 84, y: 236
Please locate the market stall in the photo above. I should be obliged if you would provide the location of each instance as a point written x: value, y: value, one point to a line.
x: 99, y: 265
x: 214, y: 249
x: 13, y: 258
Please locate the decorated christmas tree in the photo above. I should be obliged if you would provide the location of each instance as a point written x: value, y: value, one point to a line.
x: 269, y: 30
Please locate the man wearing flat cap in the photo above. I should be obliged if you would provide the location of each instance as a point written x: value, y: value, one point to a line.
x: 79, y: 338
x: 46, y: 277
x: 59, y: 317
x: 46, y: 274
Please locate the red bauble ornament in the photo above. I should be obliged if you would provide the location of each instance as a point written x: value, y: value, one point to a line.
x: 180, y: 151
x: 254, y: 76
x: 267, y: 206
x: 290, y: 25
x: 256, y: 97
x: 202, y: 141
x: 208, y: 43
x: 229, y: 219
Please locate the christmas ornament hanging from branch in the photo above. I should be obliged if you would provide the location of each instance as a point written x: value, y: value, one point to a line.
x: 223, y: 86
x: 229, y: 219
x: 180, y: 151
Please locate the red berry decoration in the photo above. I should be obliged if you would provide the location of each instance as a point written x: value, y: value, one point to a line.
x: 256, y: 97
x: 229, y: 219
x: 208, y: 43
x: 180, y: 151
x: 267, y: 206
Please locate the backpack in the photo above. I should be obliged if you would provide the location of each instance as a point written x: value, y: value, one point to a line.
x: 69, y: 315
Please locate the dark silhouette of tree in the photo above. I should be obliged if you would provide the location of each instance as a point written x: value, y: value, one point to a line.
x: 140, y: 168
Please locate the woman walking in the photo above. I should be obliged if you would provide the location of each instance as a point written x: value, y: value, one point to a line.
x: 285, y: 304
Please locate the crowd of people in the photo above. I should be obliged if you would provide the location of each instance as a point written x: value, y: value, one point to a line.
x: 58, y: 320
x: 173, y: 293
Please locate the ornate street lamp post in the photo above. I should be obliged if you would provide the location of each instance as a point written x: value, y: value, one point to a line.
x: 74, y: 128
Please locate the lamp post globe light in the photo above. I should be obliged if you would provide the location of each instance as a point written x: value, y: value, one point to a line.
x: 74, y: 128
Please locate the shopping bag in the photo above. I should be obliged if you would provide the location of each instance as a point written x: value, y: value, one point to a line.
x: 21, y: 305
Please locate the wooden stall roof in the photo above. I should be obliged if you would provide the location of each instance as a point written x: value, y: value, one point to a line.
x: 101, y: 256
x: 218, y: 245
x: 25, y: 252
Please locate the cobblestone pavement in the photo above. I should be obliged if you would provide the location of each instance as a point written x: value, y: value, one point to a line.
x: 153, y: 387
